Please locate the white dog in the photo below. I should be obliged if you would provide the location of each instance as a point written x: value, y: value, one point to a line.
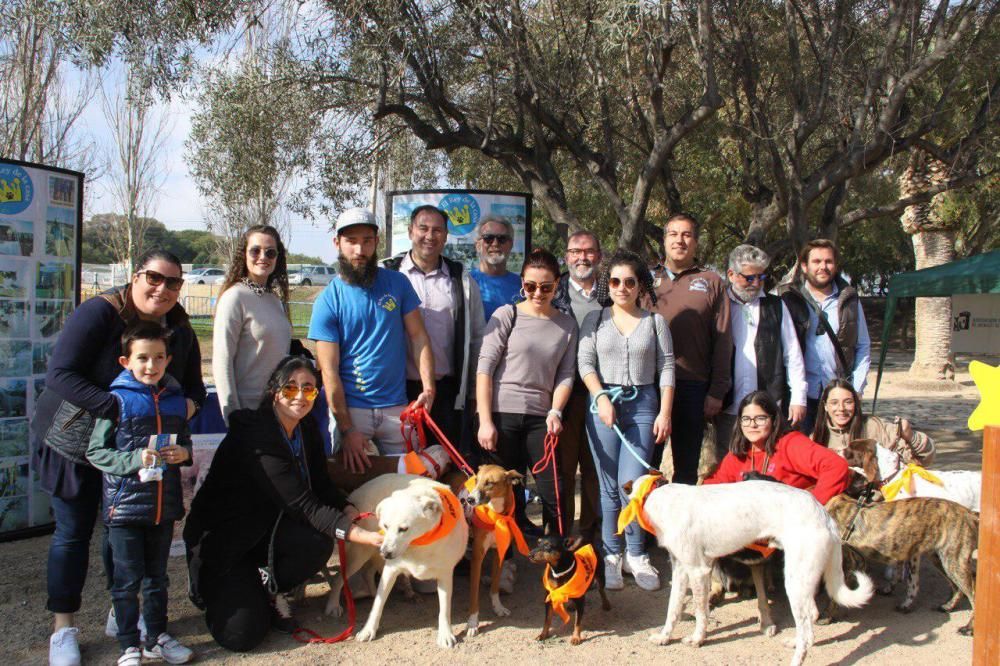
x: 408, y: 508
x: 698, y: 524
x: 962, y: 487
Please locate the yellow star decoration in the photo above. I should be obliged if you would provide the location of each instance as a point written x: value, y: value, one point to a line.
x: 987, y: 379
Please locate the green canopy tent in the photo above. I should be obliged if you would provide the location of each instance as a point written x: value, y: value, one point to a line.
x: 979, y: 274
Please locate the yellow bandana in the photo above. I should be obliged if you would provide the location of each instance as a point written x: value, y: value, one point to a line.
x: 906, y: 480
x: 633, y: 511
x: 576, y: 586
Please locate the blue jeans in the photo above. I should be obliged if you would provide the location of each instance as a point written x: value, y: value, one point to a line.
x: 616, y: 466
x: 69, y: 550
x: 140, y: 554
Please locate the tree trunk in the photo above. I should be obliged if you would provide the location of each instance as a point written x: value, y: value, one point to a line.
x: 933, y: 245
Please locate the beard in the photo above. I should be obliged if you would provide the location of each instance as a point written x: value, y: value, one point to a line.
x: 583, y: 270
x: 360, y: 276
x: 745, y: 295
x: 819, y: 281
x: 494, y: 259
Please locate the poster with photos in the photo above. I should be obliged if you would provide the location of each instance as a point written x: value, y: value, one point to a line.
x: 41, y: 220
x: 466, y: 209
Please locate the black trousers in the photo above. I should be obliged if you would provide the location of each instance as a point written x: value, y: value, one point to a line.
x: 520, y: 445
x: 688, y: 421
x: 237, y: 605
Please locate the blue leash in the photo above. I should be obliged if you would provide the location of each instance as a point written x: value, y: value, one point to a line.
x: 621, y: 394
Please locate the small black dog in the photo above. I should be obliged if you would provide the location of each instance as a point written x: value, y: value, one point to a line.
x: 559, y: 555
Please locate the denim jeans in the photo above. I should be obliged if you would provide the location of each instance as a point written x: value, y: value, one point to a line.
x: 616, y: 466
x: 69, y: 551
x: 140, y: 554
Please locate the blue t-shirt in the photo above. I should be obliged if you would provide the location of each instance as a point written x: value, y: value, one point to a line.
x: 368, y: 326
x: 497, y: 290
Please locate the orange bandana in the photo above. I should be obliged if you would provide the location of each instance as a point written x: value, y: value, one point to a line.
x: 762, y: 548
x: 503, y: 526
x: 451, y: 512
x: 576, y: 586
x: 633, y: 511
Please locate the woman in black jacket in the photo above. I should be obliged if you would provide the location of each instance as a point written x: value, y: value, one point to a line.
x: 266, y: 517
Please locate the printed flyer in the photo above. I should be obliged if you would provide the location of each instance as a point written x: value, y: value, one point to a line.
x: 40, y: 226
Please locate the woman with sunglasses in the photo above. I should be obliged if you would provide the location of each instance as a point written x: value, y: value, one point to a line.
x: 625, y: 348
x: 83, y: 364
x: 763, y: 443
x: 252, y: 329
x: 265, y: 519
x: 524, y: 379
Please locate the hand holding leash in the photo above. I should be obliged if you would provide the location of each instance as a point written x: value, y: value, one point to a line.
x: 605, y: 410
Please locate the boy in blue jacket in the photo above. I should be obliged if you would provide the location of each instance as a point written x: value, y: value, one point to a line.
x: 139, y: 455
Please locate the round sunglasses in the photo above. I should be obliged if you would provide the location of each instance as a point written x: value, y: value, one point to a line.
x: 629, y: 282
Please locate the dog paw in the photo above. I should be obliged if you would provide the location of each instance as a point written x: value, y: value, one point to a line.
x: 824, y: 620
x: 769, y: 630
x: 884, y: 590
x: 446, y: 639
x: 333, y: 609
x: 500, y: 610
x: 472, y: 626
x: 542, y: 636
x: 575, y: 640
x: 659, y: 639
x: 365, y: 635
x: 965, y: 631
x: 693, y: 640
x: 904, y: 608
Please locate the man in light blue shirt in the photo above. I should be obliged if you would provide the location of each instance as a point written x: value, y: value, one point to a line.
x: 497, y: 285
x: 839, y: 348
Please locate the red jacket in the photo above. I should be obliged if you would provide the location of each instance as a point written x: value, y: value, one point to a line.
x: 797, y: 461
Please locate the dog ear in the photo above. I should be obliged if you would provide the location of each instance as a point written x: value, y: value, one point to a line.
x: 514, y: 477
x: 627, y: 487
x: 573, y: 543
x: 431, y: 506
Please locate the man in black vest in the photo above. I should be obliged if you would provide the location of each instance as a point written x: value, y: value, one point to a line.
x: 766, y: 352
x: 829, y: 322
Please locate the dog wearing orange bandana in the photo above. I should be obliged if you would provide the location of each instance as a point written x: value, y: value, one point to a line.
x: 493, y: 527
x: 569, y: 571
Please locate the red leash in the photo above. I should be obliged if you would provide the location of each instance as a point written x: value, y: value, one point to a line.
x: 352, y: 614
x: 549, y: 458
x: 418, y: 419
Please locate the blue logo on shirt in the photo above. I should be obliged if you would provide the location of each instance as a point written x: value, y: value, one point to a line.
x: 16, y: 189
x: 463, y: 213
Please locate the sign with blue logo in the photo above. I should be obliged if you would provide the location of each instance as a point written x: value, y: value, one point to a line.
x: 462, y: 211
x: 16, y: 189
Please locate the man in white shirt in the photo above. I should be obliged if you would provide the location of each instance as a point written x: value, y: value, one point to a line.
x: 766, y: 351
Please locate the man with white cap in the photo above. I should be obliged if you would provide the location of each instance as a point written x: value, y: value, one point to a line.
x: 363, y: 323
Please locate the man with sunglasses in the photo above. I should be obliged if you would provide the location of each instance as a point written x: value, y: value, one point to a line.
x: 497, y: 285
x: 692, y: 298
x: 766, y: 352
x: 453, y: 316
x: 829, y: 321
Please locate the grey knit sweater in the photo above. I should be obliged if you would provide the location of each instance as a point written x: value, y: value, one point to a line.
x: 643, y: 357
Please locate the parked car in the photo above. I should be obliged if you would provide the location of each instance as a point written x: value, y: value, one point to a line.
x: 205, y: 276
x: 307, y: 275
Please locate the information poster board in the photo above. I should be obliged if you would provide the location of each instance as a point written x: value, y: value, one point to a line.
x: 465, y: 209
x: 41, y: 220
x: 975, y: 323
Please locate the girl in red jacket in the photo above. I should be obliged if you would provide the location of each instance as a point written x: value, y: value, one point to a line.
x: 763, y: 444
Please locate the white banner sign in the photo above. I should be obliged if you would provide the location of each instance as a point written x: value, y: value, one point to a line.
x: 975, y: 323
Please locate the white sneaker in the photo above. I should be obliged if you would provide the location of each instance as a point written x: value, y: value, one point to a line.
x: 130, y: 657
x: 613, y: 573
x: 111, y: 627
x: 169, y: 649
x: 646, y: 576
x: 64, y: 649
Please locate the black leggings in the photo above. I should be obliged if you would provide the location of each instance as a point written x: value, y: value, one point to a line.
x: 520, y: 445
x: 237, y: 605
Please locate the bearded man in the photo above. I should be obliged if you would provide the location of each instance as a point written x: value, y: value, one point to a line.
x: 766, y: 352
x: 363, y: 323
x: 497, y: 285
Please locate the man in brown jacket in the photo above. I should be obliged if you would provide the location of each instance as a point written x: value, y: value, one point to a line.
x: 693, y: 300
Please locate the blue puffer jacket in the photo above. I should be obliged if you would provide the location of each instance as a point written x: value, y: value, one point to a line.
x: 145, y: 411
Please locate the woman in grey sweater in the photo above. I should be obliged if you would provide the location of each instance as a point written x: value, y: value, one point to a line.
x: 252, y: 329
x: 625, y: 347
x: 524, y: 378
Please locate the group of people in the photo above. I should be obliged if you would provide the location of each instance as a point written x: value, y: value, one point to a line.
x: 613, y: 357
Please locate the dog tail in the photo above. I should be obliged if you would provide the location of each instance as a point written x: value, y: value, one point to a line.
x: 837, y: 587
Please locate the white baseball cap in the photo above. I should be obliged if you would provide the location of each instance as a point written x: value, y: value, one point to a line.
x: 355, y: 216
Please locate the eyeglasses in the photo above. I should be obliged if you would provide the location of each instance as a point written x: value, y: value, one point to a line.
x: 154, y: 279
x: 760, y: 420
x: 754, y: 278
x: 629, y: 282
x: 577, y: 252
x: 545, y: 287
x: 255, y: 251
x: 291, y: 392
x: 499, y: 239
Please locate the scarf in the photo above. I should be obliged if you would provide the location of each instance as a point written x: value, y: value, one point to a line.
x: 503, y: 526
x: 576, y: 586
x: 451, y: 511
x: 906, y: 480
x: 633, y: 511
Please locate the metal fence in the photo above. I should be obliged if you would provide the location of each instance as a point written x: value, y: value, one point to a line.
x: 201, y: 310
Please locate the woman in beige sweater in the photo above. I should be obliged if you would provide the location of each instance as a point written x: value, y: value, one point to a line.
x: 842, y: 421
x: 252, y: 329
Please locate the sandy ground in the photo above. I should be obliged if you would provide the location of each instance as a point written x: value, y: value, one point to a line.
x: 875, y: 634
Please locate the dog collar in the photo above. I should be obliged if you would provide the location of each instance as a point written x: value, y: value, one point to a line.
x: 634, y: 509
x: 576, y: 586
x: 451, y: 511
x: 503, y: 526
x: 414, y: 462
x: 905, y: 480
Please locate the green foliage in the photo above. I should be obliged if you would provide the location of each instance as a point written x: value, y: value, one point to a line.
x: 191, y: 246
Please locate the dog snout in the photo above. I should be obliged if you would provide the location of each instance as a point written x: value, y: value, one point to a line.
x: 387, y: 553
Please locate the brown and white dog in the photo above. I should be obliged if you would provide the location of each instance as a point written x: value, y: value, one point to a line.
x: 492, y: 527
x: 904, y: 531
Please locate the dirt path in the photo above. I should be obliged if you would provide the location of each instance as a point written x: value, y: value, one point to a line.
x: 876, y: 634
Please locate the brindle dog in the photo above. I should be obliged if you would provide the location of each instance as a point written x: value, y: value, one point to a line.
x: 905, y: 530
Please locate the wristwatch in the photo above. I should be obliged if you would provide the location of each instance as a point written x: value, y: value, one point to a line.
x: 557, y: 412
